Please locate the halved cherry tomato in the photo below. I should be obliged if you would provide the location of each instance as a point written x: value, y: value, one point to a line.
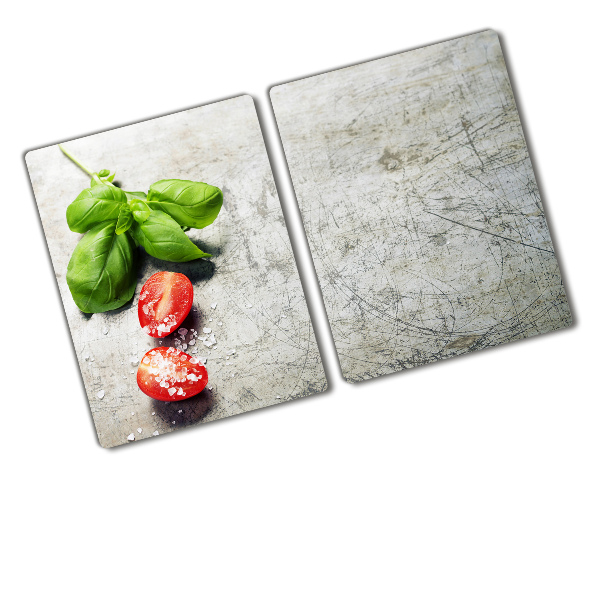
x: 170, y: 374
x: 165, y: 301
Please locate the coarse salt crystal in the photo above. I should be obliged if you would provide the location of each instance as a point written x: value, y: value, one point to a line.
x: 132, y: 414
x: 131, y: 437
x: 100, y: 394
x: 105, y: 330
x: 220, y: 322
x: 86, y: 357
x: 132, y: 372
x: 210, y: 387
x: 155, y: 433
x: 213, y: 305
x: 139, y: 430
x: 173, y: 422
x: 206, y: 329
x: 171, y: 391
x: 191, y: 342
x: 146, y: 360
x: 249, y: 305
x: 153, y: 413
x: 179, y: 411
x: 182, y: 331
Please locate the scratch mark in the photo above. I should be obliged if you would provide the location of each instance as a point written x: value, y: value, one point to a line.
x: 489, y: 233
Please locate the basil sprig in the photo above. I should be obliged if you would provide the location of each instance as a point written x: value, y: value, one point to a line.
x: 101, y: 272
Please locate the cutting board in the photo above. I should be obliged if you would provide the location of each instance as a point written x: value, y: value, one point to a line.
x: 421, y: 207
x: 249, y: 294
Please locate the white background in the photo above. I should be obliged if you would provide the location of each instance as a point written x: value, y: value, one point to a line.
x: 479, y: 476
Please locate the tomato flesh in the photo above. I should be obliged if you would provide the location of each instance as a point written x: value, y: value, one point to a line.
x: 169, y: 374
x: 165, y: 301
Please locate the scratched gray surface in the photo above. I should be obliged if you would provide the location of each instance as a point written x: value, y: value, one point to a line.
x: 261, y: 312
x: 420, y: 205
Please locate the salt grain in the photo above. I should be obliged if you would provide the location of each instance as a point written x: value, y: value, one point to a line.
x: 105, y: 330
x: 220, y: 322
x: 100, y: 394
x: 131, y: 437
x: 206, y: 329
x: 213, y: 305
x: 153, y: 413
x: 139, y: 430
x: 155, y: 433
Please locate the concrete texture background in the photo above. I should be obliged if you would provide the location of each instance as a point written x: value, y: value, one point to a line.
x: 260, y: 309
x: 420, y: 206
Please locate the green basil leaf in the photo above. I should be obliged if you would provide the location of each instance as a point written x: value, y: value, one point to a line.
x: 94, y: 205
x: 125, y: 220
x: 141, y: 211
x: 99, y: 179
x: 135, y: 195
x: 190, y: 203
x: 162, y: 238
x: 101, y: 273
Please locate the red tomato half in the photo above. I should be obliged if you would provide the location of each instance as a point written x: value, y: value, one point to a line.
x: 170, y: 374
x: 165, y: 301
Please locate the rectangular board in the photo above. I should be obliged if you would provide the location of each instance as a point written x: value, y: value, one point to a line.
x: 420, y: 206
x: 252, y: 277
